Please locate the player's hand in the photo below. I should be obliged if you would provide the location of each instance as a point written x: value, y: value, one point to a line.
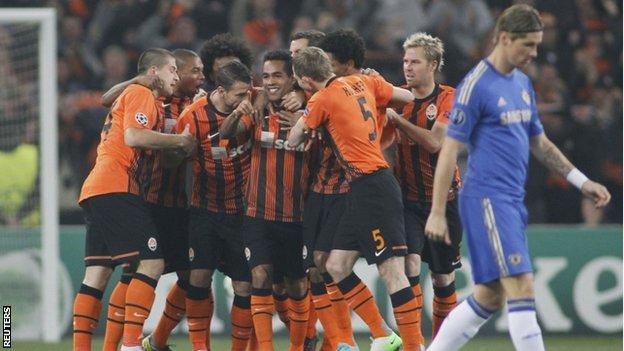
x: 392, y: 116
x: 149, y: 81
x: 597, y: 192
x: 293, y: 101
x: 200, y: 94
x: 288, y: 119
x: 369, y: 72
x: 436, y: 229
x: 188, y: 142
x: 245, y: 107
x: 314, y: 137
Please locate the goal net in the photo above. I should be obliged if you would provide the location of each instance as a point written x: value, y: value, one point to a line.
x: 28, y: 178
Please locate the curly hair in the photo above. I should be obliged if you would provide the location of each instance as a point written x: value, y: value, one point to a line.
x: 222, y: 45
x: 345, y: 45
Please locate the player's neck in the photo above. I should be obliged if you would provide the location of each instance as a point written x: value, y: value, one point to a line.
x: 500, y: 63
x: 424, y: 90
x: 217, y: 101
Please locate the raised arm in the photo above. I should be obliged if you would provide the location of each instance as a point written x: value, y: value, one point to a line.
x: 550, y: 156
x: 436, y: 227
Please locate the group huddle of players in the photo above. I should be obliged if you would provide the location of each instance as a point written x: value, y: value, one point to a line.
x: 289, y: 186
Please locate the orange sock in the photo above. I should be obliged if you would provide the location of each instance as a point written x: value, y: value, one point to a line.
x: 242, y: 323
x: 340, y: 310
x: 210, y: 313
x: 312, y: 319
x: 175, y: 308
x: 298, y: 312
x: 324, y: 311
x: 253, y: 341
x: 361, y: 300
x: 418, y: 295
x: 444, y: 300
x: 405, y: 308
x: 281, y: 307
x: 87, y: 306
x: 139, y: 299
x: 262, y: 308
x: 116, y: 315
x: 198, y: 311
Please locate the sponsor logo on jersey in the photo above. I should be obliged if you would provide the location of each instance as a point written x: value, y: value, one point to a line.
x: 515, y: 116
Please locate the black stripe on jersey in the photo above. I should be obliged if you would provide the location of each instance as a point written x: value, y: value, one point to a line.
x: 261, y: 195
x: 165, y: 173
x: 203, y: 175
x: 403, y: 170
x: 279, y: 177
x: 342, y: 177
x: 418, y: 176
x: 218, y: 164
x: 297, y: 189
x: 151, y: 160
x: 328, y: 171
x: 238, y: 176
x: 433, y: 158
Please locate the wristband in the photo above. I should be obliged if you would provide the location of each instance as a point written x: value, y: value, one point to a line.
x: 576, y: 178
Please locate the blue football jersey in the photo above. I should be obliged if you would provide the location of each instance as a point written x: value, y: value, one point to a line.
x: 495, y: 115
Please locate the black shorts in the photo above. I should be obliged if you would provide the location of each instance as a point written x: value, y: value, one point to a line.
x: 276, y: 243
x: 120, y: 229
x: 321, y: 216
x: 441, y: 258
x: 172, y: 226
x: 216, y: 242
x: 373, y: 219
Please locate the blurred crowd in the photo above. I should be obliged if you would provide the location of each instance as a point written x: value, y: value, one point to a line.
x: 578, y: 74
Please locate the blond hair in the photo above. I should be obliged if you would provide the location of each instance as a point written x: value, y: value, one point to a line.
x: 312, y: 62
x: 432, y: 46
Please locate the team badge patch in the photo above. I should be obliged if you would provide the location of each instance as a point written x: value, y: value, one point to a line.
x: 526, y: 97
x: 247, y: 253
x: 304, y: 252
x: 191, y: 254
x: 152, y: 244
x: 458, y: 117
x: 141, y: 118
x: 431, y: 112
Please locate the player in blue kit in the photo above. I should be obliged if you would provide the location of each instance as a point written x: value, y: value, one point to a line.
x: 495, y: 115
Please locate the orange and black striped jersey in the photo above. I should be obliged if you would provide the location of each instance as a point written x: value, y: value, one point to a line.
x: 331, y: 177
x: 415, y: 166
x: 347, y: 110
x: 279, y: 175
x: 220, y: 166
x: 163, y: 186
x: 118, y: 167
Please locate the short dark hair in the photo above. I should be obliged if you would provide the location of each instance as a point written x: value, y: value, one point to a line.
x: 231, y: 73
x: 312, y: 62
x: 518, y: 20
x: 153, y: 57
x: 222, y: 45
x: 183, y: 56
x: 280, y: 55
x: 345, y: 45
x: 315, y: 37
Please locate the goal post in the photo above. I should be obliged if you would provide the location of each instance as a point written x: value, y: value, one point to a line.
x: 45, y: 19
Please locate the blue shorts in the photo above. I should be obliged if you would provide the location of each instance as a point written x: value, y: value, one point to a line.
x: 496, y: 234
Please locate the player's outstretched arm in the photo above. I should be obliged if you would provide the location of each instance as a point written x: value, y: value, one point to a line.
x: 550, y: 156
x: 109, y: 97
x: 436, y: 228
x: 149, y: 139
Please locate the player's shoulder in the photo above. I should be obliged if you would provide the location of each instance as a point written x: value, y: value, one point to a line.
x: 474, y: 84
x: 198, y: 104
x: 138, y: 91
x: 446, y: 90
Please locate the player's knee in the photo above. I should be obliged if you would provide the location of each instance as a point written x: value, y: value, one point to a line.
x: 337, y: 269
x: 297, y: 288
x: 201, y: 277
x: 315, y: 275
x: 97, y: 277
x: 241, y: 288
x: 412, y: 265
x: 320, y: 259
x: 152, y: 268
x: 444, y: 279
x: 261, y: 277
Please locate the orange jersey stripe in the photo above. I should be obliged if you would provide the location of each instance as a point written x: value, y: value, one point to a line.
x: 415, y: 166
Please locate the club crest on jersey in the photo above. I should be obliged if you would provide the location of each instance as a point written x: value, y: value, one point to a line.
x: 247, y: 253
x: 191, y: 254
x: 515, y: 259
x: 431, y: 112
x: 141, y: 118
x: 458, y: 116
x: 152, y: 244
x: 304, y: 252
x: 526, y: 97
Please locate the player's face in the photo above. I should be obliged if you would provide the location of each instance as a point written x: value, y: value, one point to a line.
x: 416, y: 68
x: 298, y: 44
x: 220, y: 62
x: 304, y: 83
x: 168, y: 74
x: 191, y: 77
x: 237, y: 93
x: 340, y: 69
x: 275, y: 80
x: 522, y: 50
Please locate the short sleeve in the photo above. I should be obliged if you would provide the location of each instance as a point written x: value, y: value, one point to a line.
x: 383, y: 91
x: 139, y: 108
x: 535, y: 128
x: 315, y: 113
x: 445, y: 107
x: 186, y: 118
x: 464, y: 117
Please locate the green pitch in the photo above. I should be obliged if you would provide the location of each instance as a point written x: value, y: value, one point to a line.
x: 281, y: 343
